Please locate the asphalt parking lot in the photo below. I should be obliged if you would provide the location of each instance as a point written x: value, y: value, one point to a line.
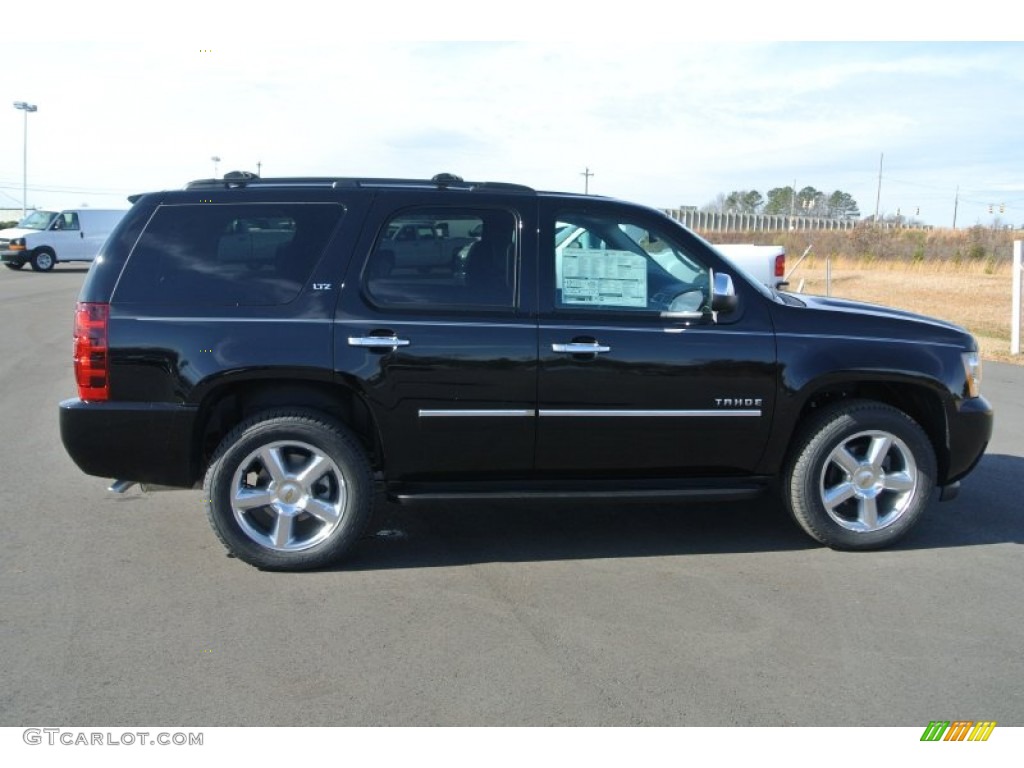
x: 124, y: 610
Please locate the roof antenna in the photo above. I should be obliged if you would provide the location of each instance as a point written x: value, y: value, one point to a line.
x: 446, y: 179
x: 238, y: 178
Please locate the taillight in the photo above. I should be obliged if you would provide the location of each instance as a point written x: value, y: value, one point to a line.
x: 91, y: 350
x: 780, y: 265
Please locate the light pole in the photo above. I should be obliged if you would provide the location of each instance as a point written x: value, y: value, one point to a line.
x: 215, y: 161
x: 25, y: 107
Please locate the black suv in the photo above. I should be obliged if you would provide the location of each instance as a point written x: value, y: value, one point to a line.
x: 297, y: 342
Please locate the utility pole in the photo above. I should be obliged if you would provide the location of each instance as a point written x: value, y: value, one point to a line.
x: 259, y: 167
x: 878, y: 197
x: 586, y: 180
x: 792, y: 203
x: 956, y: 204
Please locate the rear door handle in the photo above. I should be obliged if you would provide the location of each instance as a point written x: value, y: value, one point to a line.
x: 580, y: 348
x: 377, y: 341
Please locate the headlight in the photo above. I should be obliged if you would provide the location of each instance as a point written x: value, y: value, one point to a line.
x: 17, y: 244
x: 972, y: 372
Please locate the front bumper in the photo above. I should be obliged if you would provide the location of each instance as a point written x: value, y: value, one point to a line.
x: 14, y: 257
x: 970, y: 429
x: 145, y: 442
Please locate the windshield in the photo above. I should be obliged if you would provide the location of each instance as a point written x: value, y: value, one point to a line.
x: 37, y: 220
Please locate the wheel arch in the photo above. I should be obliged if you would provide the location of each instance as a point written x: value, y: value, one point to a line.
x: 231, y: 403
x: 921, y: 401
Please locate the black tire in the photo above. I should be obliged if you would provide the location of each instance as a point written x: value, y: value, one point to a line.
x: 860, y: 476
x: 43, y: 260
x: 14, y: 264
x: 308, y: 520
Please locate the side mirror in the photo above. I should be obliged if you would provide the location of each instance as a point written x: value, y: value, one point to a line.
x: 723, y: 293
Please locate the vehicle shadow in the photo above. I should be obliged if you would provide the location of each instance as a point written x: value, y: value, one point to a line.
x: 57, y: 269
x: 438, y: 535
x: 987, y: 511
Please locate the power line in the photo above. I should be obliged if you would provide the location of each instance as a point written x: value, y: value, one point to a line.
x: 70, y: 190
x: 984, y: 198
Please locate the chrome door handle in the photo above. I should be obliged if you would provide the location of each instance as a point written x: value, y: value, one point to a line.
x: 377, y: 341
x: 580, y: 348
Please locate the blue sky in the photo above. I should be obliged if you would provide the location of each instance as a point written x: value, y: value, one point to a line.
x: 659, y: 109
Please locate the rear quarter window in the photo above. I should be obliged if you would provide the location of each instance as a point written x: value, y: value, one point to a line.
x: 254, y: 254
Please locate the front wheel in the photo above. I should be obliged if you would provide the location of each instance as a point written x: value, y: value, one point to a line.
x: 861, y: 475
x: 289, y: 490
x: 43, y: 260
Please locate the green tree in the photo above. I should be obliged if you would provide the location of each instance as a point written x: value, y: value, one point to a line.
x: 752, y: 201
x: 780, y: 200
x: 841, y: 205
x: 743, y: 201
x: 810, y: 202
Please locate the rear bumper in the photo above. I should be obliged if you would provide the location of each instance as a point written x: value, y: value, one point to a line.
x: 970, y: 430
x: 145, y: 442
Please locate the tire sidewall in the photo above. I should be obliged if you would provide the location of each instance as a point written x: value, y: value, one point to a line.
x: 330, y: 438
x: 831, y: 429
x: 43, y: 260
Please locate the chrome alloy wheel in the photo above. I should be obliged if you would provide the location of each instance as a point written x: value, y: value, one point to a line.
x: 868, y: 481
x: 288, y: 496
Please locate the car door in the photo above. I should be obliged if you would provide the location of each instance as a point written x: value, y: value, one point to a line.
x: 66, y: 237
x: 636, y: 376
x: 95, y: 227
x: 445, y: 357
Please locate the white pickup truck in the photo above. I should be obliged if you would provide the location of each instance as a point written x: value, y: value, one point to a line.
x: 421, y: 245
x: 764, y: 263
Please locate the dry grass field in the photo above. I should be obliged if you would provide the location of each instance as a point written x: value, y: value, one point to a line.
x: 963, y: 276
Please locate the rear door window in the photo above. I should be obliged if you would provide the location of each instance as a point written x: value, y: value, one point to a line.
x: 445, y: 258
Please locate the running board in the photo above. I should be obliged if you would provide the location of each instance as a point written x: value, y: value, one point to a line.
x: 409, y: 493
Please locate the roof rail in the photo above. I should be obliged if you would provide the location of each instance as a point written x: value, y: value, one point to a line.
x: 235, y: 179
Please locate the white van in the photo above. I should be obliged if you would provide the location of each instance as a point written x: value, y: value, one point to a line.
x: 44, y: 238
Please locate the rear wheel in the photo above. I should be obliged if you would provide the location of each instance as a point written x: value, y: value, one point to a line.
x: 43, y: 260
x: 862, y: 474
x: 289, y: 490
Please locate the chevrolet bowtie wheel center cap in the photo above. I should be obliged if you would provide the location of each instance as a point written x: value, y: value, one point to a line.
x: 865, y: 480
x: 289, y: 493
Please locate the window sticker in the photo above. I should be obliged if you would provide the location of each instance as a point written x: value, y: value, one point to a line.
x: 592, y: 277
